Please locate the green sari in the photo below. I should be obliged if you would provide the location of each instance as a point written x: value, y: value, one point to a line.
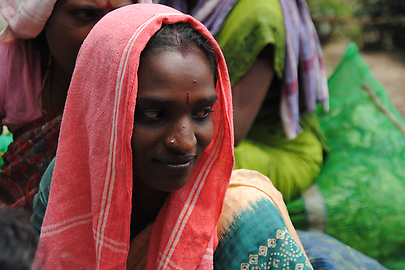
x: 292, y: 165
x: 250, y: 26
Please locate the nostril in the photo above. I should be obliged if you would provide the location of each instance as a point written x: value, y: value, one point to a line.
x: 183, y: 142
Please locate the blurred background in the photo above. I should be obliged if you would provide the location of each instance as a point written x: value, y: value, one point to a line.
x: 3, y: 23
x: 378, y: 29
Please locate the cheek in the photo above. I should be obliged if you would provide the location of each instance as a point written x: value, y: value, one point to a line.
x: 65, y: 45
x: 205, y: 134
x: 144, y: 139
x: 138, y: 150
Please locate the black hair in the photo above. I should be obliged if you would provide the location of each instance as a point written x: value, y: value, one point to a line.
x: 17, y: 240
x: 183, y: 37
x: 40, y: 44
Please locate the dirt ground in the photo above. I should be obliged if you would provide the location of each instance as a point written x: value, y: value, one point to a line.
x: 388, y: 67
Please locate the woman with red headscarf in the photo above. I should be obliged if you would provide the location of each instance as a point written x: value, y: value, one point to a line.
x: 152, y: 115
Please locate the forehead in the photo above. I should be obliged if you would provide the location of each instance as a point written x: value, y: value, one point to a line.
x: 94, y: 3
x: 173, y: 73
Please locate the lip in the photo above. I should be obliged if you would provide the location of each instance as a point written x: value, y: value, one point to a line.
x: 176, y: 164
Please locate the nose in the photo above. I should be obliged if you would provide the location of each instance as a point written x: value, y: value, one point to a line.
x: 182, y: 137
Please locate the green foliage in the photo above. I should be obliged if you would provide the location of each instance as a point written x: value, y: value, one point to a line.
x: 332, y: 18
x: 370, y: 23
x: 332, y: 8
x: 381, y: 8
x: 387, y: 29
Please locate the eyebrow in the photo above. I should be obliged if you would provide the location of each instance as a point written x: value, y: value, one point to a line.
x: 89, y: 7
x: 150, y: 99
x: 86, y: 7
x: 82, y: 5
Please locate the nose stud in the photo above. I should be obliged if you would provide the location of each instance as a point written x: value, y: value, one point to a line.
x: 172, y: 141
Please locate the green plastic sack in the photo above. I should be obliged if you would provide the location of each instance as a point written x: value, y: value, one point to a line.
x: 5, y: 139
x: 359, y: 197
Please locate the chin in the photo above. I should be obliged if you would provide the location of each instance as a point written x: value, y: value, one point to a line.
x: 175, y: 185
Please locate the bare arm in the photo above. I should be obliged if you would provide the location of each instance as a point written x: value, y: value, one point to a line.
x: 248, y: 95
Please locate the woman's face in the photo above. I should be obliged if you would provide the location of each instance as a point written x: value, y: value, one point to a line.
x: 173, y: 119
x: 70, y: 23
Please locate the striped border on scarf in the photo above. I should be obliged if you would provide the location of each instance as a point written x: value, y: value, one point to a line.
x: 165, y: 258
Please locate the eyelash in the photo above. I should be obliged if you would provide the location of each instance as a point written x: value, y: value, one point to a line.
x: 160, y: 114
x: 84, y: 15
x: 206, y: 111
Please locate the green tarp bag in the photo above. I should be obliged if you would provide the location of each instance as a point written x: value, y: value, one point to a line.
x: 359, y: 197
x: 5, y: 139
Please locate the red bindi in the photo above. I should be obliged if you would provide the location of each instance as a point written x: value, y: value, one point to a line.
x: 188, y: 98
x: 108, y: 5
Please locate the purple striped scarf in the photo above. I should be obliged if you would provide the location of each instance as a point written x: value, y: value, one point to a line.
x: 212, y: 13
x: 304, y: 55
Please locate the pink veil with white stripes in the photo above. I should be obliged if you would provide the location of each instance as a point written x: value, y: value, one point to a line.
x: 87, y: 223
x: 20, y: 65
x: 25, y: 19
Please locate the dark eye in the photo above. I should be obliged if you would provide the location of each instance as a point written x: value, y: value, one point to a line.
x: 85, y: 14
x: 203, y: 113
x: 153, y: 115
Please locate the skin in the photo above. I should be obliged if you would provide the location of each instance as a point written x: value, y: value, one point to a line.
x: 66, y: 29
x: 248, y: 95
x: 162, y: 115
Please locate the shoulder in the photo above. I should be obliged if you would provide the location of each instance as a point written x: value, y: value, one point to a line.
x: 253, y: 17
x: 252, y: 230
x: 246, y: 190
x: 249, y: 27
x: 41, y: 198
x: 253, y: 185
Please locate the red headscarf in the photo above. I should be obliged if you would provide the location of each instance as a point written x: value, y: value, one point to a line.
x: 87, y: 223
